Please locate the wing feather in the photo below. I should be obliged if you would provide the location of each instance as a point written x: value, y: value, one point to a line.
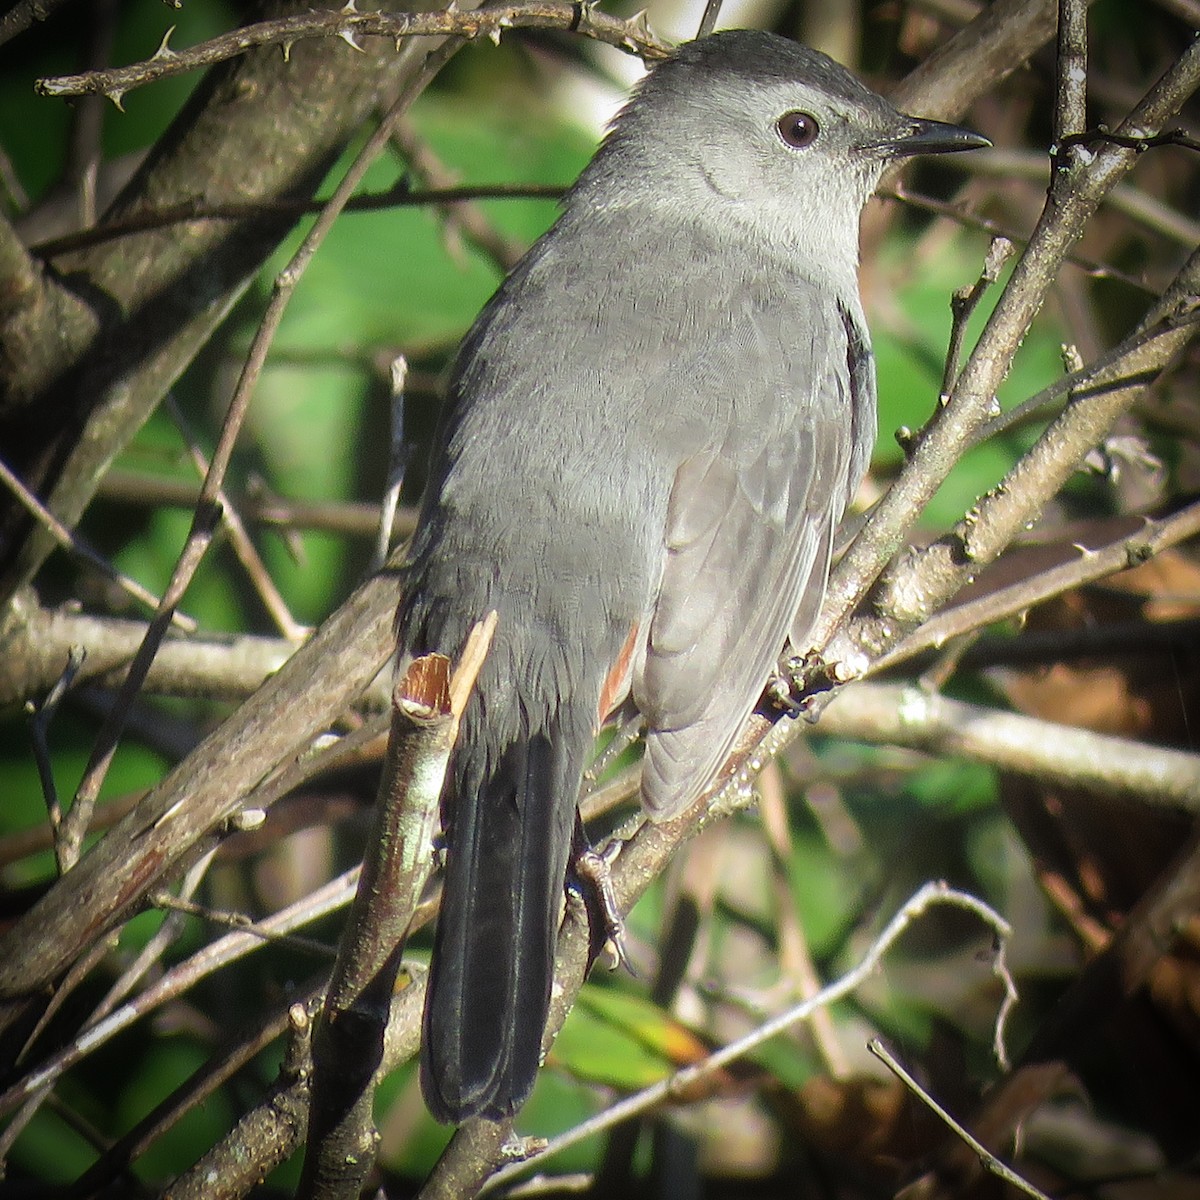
x: 746, y: 548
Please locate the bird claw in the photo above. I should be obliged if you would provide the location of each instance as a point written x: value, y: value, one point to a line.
x: 803, y: 684
x: 593, y: 869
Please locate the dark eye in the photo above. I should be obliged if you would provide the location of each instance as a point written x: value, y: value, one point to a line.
x: 798, y: 129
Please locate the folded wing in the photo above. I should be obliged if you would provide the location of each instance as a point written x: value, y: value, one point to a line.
x: 749, y: 530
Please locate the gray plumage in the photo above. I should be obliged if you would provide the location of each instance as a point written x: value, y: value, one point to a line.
x: 654, y: 426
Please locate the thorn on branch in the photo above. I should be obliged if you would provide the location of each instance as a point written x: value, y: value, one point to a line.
x: 164, y: 50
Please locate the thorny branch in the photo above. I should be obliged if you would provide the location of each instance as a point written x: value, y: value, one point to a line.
x: 633, y: 36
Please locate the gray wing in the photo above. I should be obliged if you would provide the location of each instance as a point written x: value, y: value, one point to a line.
x: 749, y: 529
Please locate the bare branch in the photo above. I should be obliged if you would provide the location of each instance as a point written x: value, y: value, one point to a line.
x: 37, y: 640
x: 279, y: 720
x: 76, y: 546
x: 986, y: 1157
x: 908, y: 715
x: 23, y: 14
x: 40, y: 716
x: 685, y: 1081
x: 348, y: 1040
x: 632, y: 36
x: 953, y: 427
x: 399, y: 196
x: 182, y: 977
x: 1016, y: 598
x: 922, y: 581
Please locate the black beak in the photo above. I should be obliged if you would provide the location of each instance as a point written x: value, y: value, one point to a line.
x: 933, y: 137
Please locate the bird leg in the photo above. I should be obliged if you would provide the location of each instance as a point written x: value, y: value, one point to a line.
x: 591, y: 869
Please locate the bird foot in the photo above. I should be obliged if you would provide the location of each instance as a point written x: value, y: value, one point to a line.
x: 803, y: 684
x: 593, y: 869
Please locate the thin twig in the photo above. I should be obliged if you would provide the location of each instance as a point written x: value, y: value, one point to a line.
x: 463, y: 220
x: 986, y: 1157
x: 243, y: 546
x: 997, y: 229
x: 908, y: 593
x: 199, y: 538
x: 963, y: 304
x: 40, y: 717
x: 145, y: 959
x: 76, y: 545
x: 36, y: 640
x: 258, y: 505
x: 267, y: 1134
x: 180, y: 978
x: 155, y: 946
x: 397, y: 462
x: 708, y: 21
x: 684, y: 1081
x: 798, y: 972
x: 1120, y: 367
x: 237, y: 920
x: 214, y: 1074
x: 402, y: 195
x: 23, y: 14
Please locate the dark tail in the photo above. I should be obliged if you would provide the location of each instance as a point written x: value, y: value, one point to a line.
x: 512, y: 817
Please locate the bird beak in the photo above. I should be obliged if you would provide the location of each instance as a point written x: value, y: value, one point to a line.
x: 933, y: 137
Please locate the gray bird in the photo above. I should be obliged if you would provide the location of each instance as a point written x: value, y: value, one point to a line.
x: 652, y: 431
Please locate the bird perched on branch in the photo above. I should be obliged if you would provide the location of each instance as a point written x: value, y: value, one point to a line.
x: 652, y: 431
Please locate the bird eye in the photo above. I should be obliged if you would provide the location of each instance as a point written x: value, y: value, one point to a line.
x: 798, y: 129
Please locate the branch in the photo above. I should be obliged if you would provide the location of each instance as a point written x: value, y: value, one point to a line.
x: 273, y: 726
x: 349, y: 518
x: 1004, y: 35
x: 926, y: 579
x: 96, y: 379
x: 685, y: 1081
x: 633, y: 36
x: 1125, y: 365
x: 29, y: 303
x: 399, y: 196
x: 348, y: 1041
x: 1067, y: 1034
x: 179, y: 979
x: 909, y: 715
x: 76, y: 546
x: 1016, y: 598
x: 990, y: 1162
x: 953, y: 428
x: 23, y: 14
x: 35, y: 642
x: 271, y: 1132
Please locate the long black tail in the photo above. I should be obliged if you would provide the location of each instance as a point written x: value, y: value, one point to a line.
x: 512, y: 816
